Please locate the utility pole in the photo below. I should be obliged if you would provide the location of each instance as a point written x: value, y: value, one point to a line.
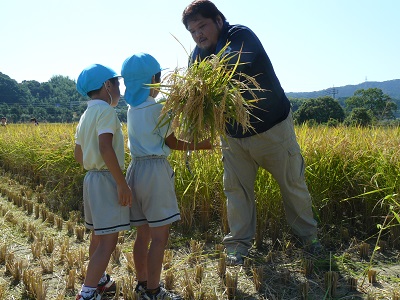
x: 332, y: 91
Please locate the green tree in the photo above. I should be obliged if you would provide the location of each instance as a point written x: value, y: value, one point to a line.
x: 39, y: 91
x: 10, y: 91
x: 64, y: 90
x: 296, y: 103
x: 374, y: 100
x: 320, y: 110
x: 359, y: 116
x: 54, y: 101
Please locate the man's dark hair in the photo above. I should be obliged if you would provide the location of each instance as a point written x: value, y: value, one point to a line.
x: 205, y: 8
x: 112, y: 80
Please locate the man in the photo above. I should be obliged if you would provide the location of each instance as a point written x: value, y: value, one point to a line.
x: 272, y: 144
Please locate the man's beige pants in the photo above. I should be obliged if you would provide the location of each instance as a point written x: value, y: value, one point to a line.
x: 278, y: 152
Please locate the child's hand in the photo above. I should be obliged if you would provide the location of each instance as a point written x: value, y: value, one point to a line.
x: 124, y: 195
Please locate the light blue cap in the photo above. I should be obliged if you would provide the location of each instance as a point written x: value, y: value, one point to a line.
x: 137, y: 71
x: 93, y: 77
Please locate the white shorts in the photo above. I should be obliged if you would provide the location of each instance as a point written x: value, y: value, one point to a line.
x: 103, y: 213
x: 151, y: 179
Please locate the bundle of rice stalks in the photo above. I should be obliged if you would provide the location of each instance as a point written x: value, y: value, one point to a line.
x: 202, y: 98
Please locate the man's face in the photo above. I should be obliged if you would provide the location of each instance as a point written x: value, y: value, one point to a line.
x: 205, y: 32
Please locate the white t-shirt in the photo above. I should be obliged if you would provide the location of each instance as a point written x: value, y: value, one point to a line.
x: 144, y: 137
x: 99, y: 118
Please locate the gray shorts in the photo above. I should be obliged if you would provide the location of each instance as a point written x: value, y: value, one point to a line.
x: 103, y: 213
x: 151, y: 179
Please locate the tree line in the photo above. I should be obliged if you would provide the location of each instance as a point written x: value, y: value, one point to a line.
x: 57, y: 101
x: 366, y: 107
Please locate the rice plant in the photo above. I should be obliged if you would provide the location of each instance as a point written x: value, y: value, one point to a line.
x: 70, y: 279
x: 352, y: 174
x: 304, y: 290
x: 202, y: 98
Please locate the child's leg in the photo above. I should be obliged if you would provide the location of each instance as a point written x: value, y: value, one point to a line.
x: 94, y: 242
x: 100, y: 258
x: 159, y: 240
x: 140, y: 250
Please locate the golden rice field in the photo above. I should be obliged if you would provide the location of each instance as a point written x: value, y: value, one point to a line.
x: 352, y: 173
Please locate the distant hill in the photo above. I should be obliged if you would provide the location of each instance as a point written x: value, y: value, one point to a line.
x: 389, y: 87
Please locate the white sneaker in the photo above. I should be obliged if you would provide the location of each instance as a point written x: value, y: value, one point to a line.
x: 108, y: 286
x: 94, y: 296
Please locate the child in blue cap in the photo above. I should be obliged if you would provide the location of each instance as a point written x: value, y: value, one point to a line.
x: 149, y: 175
x: 99, y: 148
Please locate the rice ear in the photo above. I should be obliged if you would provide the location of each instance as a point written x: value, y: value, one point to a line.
x: 203, y: 98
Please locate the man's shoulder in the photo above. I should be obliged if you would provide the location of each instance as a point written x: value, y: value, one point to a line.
x: 232, y: 28
x: 239, y: 31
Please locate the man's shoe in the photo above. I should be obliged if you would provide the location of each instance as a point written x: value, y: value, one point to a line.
x: 234, y: 259
x: 314, y: 247
x: 107, y: 287
x: 163, y: 294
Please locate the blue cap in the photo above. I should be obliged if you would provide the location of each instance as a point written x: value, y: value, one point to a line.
x: 137, y: 71
x: 93, y: 77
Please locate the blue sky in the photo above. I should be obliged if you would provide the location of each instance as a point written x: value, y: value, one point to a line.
x: 313, y: 44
